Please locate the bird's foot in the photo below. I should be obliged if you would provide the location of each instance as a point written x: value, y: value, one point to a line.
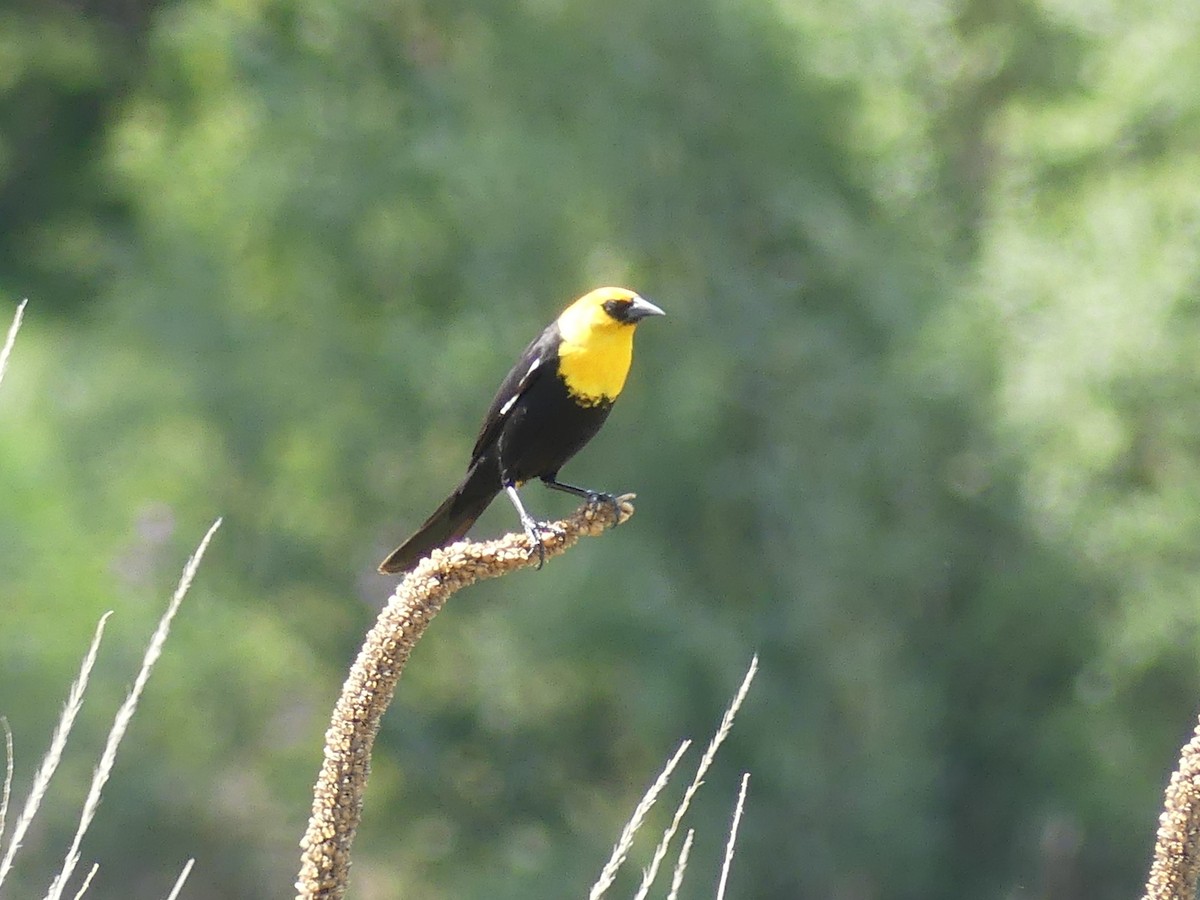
x: 534, y: 531
x: 595, y: 498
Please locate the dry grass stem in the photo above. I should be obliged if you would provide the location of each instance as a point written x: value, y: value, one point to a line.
x: 338, y: 793
x: 732, y: 842
x: 681, y: 865
x: 87, y: 882
x: 58, y: 741
x: 664, y: 845
x: 11, y: 338
x: 181, y: 880
x: 8, y: 776
x: 1176, y: 865
x: 125, y: 715
x: 621, y: 850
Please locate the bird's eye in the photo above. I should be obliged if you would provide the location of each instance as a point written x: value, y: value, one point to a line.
x: 618, y: 309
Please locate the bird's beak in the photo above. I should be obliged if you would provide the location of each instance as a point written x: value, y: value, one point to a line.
x: 640, y: 309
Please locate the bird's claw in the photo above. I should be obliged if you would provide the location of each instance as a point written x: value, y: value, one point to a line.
x: 595, y: 498
x: 533, y: 531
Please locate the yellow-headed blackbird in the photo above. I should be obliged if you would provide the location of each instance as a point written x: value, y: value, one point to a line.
x: 553, y: 401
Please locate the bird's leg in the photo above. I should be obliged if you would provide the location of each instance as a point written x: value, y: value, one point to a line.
x: 533, y: 528
x: 592, y: 497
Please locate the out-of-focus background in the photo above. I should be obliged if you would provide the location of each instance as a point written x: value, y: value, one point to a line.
x: 922, y: 428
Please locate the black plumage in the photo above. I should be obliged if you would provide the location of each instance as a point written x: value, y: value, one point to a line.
x: 543, y: 413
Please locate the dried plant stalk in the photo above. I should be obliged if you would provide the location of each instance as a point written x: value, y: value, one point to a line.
x: 1176, y: 865
x: 338, y: 793
x: 11, y: 338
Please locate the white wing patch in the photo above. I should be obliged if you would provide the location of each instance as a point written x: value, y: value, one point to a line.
x: 508, y: 404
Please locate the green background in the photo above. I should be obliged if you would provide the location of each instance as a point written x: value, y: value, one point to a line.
x: 921, y: 428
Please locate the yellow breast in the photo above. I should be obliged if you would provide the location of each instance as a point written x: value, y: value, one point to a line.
x: 594, y: 368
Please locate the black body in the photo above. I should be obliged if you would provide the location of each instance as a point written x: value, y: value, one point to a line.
x: 533, y: 427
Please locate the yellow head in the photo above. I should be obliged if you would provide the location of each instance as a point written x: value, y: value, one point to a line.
x: 597, y: 342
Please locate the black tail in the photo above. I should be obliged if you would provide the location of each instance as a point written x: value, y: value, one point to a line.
x: 449, y: 522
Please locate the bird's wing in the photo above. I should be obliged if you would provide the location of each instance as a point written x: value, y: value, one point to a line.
x: 533, y: 363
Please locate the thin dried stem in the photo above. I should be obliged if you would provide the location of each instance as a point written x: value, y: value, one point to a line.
x: 609, y: 873
x: 181, y: 880
x: 11, y: 337
x: 681, y: 865
x: 660, y: 851
x: 1176, y: 865
x: 8, y: 776
x: 338, y: 793
x: 125, y: 715
x: 87, y: 882
x: 732, y: 842
x: 58, y: 742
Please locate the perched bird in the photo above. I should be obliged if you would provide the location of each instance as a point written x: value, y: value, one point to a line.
x: 553, y: 401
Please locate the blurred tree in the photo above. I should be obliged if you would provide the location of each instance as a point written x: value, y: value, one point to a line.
x: 917, y: 428
x: 66, y: 68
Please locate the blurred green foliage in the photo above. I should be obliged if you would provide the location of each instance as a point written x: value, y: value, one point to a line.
x: 920, y: 428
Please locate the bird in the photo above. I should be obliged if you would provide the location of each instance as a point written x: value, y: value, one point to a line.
x: 550, y: 404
